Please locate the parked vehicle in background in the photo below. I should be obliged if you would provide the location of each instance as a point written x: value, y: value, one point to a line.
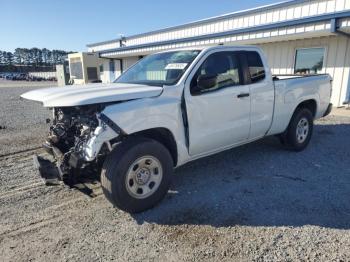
x: 25, y: 77
x: 9, y: 76
x: 172, y: 108
x: 20, y: 76
x: 51, y: 78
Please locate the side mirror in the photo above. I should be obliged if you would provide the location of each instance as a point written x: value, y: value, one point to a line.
x: 206, y: 82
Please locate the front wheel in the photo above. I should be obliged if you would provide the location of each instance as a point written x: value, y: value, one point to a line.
x: 137, y: 174
x: 299, y: 131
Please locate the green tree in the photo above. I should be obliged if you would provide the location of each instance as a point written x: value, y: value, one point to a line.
x: 34, y: 57
x: 9, y: 59
x: 26, y: 56
x: 45, y: 56
x: 18, y: 56
x: 1, y: 58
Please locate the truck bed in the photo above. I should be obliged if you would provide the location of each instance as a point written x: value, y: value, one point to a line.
x: 290, y: 90
x: 291, y: 76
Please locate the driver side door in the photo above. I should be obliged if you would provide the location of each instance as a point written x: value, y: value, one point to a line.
x: 218, y: 111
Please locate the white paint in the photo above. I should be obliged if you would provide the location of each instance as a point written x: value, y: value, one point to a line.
x: 90, y: 94
x: 43, y: 74
x: 179, y: 66
x: 218, y: 122
x: 102, y: 134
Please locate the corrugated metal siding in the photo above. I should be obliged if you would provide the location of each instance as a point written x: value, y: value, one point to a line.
x: 128, y: 62
x: 279, y: 44
x: 337, y: 60
x: 296, y: 11
x: 103, y: 47
x: 281, y: 58
x: 156, y: 75
x: 284, y: 33
x: 108, y: 76
x: 236, y: 21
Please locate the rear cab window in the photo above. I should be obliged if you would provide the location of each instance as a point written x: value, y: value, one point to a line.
x: 255, y: 66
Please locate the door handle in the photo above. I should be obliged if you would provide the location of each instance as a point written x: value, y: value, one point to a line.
x: 243, y: 95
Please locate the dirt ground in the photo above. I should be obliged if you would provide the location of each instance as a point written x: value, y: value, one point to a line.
x: 253, y: 203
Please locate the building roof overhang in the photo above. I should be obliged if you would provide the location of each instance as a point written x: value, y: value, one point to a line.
x: 214, y: 38
x: 207, y: 20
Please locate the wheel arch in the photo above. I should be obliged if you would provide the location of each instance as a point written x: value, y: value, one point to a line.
x: 284, y: 112
x: 163, y: 136
x: 310, y: 104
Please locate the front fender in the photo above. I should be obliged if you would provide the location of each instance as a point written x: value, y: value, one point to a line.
x: 144, y: 114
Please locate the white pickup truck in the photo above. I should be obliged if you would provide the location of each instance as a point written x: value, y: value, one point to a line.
x: 171, y: 108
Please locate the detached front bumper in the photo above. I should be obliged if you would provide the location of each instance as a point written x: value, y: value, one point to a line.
x: 329, y: 109
x: 50, y: 167
x: 47, y: 170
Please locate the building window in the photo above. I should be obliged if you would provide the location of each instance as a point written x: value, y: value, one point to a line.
x: 92, y: 73
x: 111, y: 65
x: 101, y: 68
x: 76, y: 68
x: 309, y: 61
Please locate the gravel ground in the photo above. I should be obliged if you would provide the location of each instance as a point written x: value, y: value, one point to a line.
x: 22, y: 123
x: 253, y: 203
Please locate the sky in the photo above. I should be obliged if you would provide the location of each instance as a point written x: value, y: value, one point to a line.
x: 72, y: 24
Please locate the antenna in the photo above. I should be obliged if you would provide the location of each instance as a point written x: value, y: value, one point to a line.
x: 122, y: 40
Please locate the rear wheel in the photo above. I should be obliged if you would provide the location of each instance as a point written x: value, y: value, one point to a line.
x: 137, y: 174
x: 299, y: 131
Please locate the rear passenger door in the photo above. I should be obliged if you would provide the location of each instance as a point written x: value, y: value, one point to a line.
x: 259, y: 81
x: 219, y: 115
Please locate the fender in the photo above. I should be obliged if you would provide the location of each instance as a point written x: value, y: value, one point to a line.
x: 143, y: 114
x: 287, y: 103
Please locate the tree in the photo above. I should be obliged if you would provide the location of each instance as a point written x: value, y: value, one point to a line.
x: 4, y: 55
x: 9, y: 58
x: 45, y: 56
x: 18, y: 56
x: 33, y: 58
x: 1, y: 58
x: 26, y: 56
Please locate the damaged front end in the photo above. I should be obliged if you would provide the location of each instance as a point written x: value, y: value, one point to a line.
x: 79, y: 140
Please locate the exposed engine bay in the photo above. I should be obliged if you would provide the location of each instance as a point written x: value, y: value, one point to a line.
x: 73, y: 134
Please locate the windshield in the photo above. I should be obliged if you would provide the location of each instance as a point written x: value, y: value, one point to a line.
x: 159, y: 69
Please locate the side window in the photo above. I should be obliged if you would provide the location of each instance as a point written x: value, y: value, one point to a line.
x: 218, y: 71
x: 255, y: 67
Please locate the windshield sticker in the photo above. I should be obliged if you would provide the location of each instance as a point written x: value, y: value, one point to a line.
x: 179, y: 66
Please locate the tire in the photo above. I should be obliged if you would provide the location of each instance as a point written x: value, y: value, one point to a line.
x: 299, y: 131
x: 133, y: 168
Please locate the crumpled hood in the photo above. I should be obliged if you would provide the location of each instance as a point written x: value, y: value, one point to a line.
x: 78, y: 95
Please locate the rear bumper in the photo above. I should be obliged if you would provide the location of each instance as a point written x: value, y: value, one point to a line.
x: 329, y: 109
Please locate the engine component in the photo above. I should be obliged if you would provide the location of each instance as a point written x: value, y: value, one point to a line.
x: 69, y: 133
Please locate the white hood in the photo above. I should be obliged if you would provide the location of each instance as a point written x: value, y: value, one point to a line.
x: 78, y: 95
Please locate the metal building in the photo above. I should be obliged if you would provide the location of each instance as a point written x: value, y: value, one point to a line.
x: 300, y: 36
